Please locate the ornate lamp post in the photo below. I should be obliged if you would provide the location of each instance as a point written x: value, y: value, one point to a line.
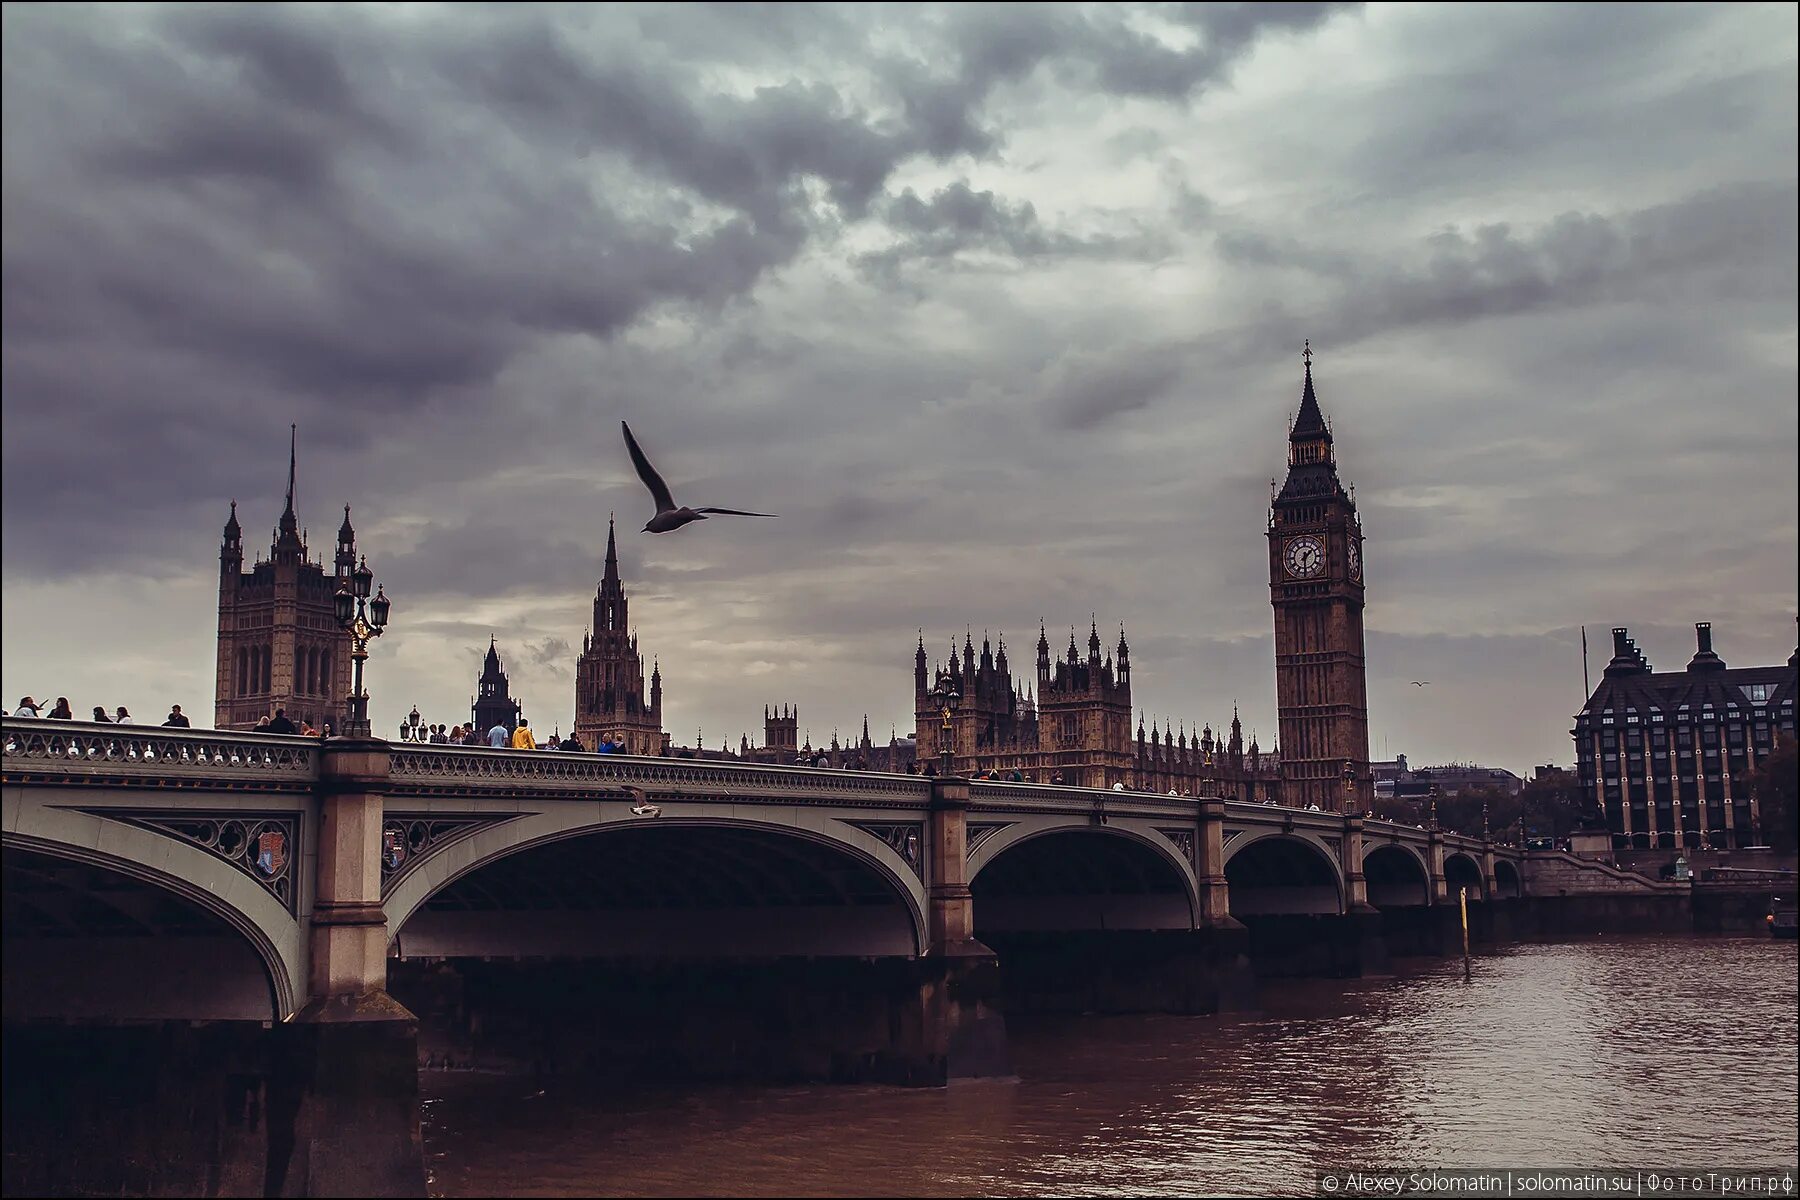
x: 1348, y: 775
x: 946, y: 696
x: 364, y: 619
x: 412, y: 720
x: 1432, y: 819
x: 1484, y: 816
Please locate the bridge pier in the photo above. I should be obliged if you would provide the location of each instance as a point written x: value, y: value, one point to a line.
x: 962, y: 1028
x: 1434, y: 863
x: 344, y: 1091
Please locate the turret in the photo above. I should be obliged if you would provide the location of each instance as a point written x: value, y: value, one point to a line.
x: 655, y: 687
x: 231, y: 551
x: 1094, y: 642
x: 1043, y: 658
x: 919, y: 667
x: 345, y: 561
x: 1124, y: 658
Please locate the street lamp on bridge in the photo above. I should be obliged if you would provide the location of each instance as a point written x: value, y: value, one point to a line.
x: 363, y: 619
x: 946, y: 696
x: 1432, y: 797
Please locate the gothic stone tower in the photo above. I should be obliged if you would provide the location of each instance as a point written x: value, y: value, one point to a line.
x: 1316, y: 586
x: 609, y: 677
x: 493, y: 704
x: 279, y: 645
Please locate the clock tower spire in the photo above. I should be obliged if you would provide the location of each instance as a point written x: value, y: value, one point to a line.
x: 1316, y: 587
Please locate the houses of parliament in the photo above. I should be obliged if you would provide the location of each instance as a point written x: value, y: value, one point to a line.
x: 1072, y: 723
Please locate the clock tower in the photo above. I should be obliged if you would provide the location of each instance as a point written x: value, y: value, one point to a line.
x: 1316, y: 586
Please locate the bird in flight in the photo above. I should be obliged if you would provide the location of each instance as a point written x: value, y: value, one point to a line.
x: 1420, y: 682
x: 642, y: 806
x: 668, y: 515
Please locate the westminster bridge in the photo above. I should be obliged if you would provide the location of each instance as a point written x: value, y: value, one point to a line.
x: 539, y: 908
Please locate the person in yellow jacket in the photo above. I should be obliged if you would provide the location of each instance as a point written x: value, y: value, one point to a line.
x: 522, y: 739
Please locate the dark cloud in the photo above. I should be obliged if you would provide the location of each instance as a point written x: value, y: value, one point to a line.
x: 997, y: 305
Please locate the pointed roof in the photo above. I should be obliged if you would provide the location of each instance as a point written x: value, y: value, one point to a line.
x: 612, y: 554
x: 287, y: 514
x: 232, y: 528
x: 491, y: 666
x: 1309, y: 423
x: 345, y: 532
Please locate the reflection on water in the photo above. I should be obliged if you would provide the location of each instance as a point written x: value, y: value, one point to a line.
x: 1639, y: 1051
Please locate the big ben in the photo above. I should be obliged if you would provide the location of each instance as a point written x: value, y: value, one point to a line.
x: 1316, y: 587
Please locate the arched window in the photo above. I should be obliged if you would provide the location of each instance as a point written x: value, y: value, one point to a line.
x: 326, y: 687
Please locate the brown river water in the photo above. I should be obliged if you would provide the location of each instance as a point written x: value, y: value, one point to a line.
x: 1627, y: 1052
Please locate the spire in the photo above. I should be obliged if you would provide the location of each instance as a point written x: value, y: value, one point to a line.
x: 1309, y: 424
x: 491, y: 667
x: 232, y: 529
x: 287, y: 515
x: 612, y: 554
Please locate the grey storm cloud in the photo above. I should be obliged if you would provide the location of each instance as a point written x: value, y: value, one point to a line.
x: 998, y: 305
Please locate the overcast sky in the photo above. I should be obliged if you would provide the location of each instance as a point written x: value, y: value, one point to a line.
x: 999, y: 308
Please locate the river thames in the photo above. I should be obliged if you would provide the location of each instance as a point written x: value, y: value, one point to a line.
x: 1648, y: 1051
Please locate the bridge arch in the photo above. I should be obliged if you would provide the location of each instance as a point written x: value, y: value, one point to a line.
x: 108, y: 936
x: 1282, y: 873
x: 685, y: 881
x: 1463, y: 870
x: 1506, y: 880
x: 1396, y: 876
x: 1067, y: 876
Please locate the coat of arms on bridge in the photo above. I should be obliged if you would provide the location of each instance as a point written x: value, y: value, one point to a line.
x: 260, y: 844
x: 408, y: 838
x: 271, y: 852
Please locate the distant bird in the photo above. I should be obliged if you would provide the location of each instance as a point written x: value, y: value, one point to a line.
x: 668, y: 516
x: 643, y: 807
x: 1420, y: 682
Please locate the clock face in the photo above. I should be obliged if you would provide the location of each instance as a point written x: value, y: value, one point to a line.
x: 1354, y: 557
x: 1304, y: 556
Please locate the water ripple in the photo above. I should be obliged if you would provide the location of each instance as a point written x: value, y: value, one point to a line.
x: 1599, y: 1052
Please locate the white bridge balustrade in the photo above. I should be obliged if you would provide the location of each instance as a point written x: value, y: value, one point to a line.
x: 241, y: 827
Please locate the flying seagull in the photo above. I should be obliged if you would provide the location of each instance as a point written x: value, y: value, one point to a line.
x: 643, y: 807
x: 1420, y: 682
x: 668, y: 516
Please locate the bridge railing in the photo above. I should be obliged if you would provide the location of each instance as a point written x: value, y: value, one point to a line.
x: 454, y: 770
x: 1062, y: 798
x: 150, y: 755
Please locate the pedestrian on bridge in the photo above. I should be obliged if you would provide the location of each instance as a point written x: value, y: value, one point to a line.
x: 61, y: 712
x: 499, y: 737
x: 122, y: 717
x: 27, y: 707
x: 100, y: 717
x: 281, y: 724
x: 175, y: 719
x: 521, y: 738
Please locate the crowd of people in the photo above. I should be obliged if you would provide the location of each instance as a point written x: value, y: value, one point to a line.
x: 60, y: 711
